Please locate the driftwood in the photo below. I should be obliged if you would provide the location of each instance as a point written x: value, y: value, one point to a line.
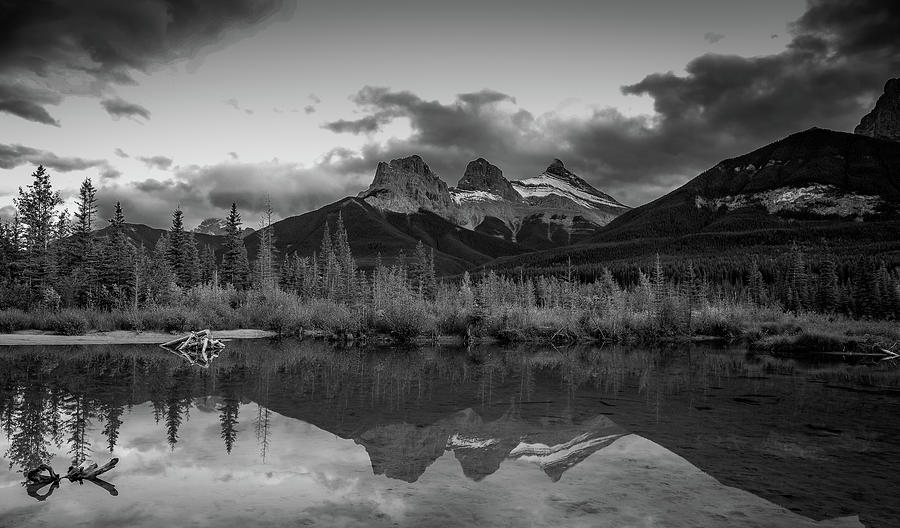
x: 37, y: 476
x: 198, y: 348
x: 36, y: 479
x: 91, y: 471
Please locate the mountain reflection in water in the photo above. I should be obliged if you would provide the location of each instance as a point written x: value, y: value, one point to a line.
x: 286, y: 433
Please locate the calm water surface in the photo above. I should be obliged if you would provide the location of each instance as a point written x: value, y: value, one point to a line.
x: 291, y: 434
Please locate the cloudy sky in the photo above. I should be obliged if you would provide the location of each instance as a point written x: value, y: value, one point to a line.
x: 201, y: 103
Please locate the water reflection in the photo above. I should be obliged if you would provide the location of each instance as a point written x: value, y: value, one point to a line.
x: 544, y: 429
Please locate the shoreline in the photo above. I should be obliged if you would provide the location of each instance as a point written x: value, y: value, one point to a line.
x: 118, y: 337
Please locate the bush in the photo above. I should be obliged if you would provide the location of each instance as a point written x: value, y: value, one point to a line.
x: 13, y: 320
x: 69, y: 323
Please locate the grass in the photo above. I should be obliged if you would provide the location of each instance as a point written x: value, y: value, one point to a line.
x: 407, y: 317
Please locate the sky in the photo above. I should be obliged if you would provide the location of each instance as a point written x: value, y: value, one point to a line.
x: 198, y: 104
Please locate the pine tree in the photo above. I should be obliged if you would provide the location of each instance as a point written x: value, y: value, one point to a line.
x: 266, y: 276
x: 235, y: 270
x: 36, y: 210
x: 118, y: 260
x: 192, y: 264
x: 84, y: 219
x: 828, y: 284
x: 207, y: 266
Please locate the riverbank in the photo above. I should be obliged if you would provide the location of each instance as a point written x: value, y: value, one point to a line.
x: 765, y: 330
x: 116, y: 337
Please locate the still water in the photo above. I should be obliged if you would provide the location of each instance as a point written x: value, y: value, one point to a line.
x: 304, y: 434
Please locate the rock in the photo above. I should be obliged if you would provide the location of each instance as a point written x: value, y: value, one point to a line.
x: 481, y: 175
x: 883, y: 122
x: 406, y: 185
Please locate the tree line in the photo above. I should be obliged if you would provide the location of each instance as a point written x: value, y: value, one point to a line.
x: 49, y: 260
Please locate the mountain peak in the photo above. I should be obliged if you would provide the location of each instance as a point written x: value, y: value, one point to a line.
x: 557, y: 164
x: 883, y: 122
x: 414, y: 164
x: 481, y: 175
x: 406, y: 185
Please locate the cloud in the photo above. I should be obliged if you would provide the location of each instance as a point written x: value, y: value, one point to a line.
x: 12, y: 156
x: 27, y: 102
x: 207, y: 191
x: 839, y: 56
x: 309, y: 109
x: 233, y: 155
x: 117, y: 107
x: 110, y: 173
x: 234, y: 103
x: 157, y: 162
x: 315, y: 98
x: 712, y: 37
x: 83, y: 49
x: 121, y: 153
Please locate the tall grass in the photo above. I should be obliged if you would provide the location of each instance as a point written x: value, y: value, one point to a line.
x: 634, y: 316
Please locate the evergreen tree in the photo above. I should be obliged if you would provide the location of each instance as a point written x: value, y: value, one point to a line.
x: 190, y: 265
x: 207, y: 266
x: 266, y: 276
x: 36, y: 210
x: 177, y: 249
x: 235, y: 269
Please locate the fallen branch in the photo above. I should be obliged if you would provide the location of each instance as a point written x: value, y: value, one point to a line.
x: 89, y: 472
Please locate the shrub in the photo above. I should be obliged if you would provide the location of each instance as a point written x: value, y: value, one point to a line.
x: 69, y: 323
x: 13, y: 320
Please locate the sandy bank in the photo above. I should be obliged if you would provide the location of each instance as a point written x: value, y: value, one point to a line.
x: 117, y: 337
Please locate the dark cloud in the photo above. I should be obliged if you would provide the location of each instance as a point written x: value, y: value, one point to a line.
x: 365, y: 125
x: 309, y: 109
x: 839, y: 56
x: 712, y: 37
x: 27, y: 102
x: 233, y: 155
x: 121, y: 153
x: 117, y: 107
x: 12, y: 156
x: 83, y: 47
x: 156, y: 162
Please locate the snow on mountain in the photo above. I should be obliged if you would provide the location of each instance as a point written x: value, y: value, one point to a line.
x: 216, y: 226
x: 557, y: 180
x: 461, y: 196
x: 821, y: 199
x: 459, y: 441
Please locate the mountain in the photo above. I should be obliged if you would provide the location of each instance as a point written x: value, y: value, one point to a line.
x: 557, y: 208
x: 404, y: 451
x: 559, y: 182
x: 813, y: 175
x: 813, y: 186
x: 216, y: 226
x: 883, y: 121
x: 146, y: 236
x: 406, y: 185
x: 372, y: 231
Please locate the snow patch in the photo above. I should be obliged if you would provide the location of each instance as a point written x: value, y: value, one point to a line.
x: 825, y: 200
x: 546, y: 184
x: 461, y: 196
x: 458, y: 441
x: 546, y: 455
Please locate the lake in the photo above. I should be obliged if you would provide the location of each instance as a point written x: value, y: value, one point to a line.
x: 290, y: 433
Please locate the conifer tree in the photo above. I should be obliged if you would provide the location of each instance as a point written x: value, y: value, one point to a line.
x: 235, y: 270
x: 36, y: 210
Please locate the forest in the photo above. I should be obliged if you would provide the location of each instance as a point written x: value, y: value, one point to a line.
x: 75, y: 274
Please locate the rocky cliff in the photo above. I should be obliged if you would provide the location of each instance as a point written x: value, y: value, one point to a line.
x: 883, y: 121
